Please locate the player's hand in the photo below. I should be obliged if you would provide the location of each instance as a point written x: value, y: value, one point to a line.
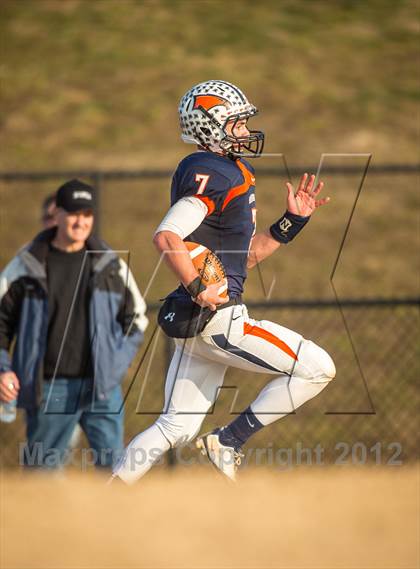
x: 304, y: 201
x: 210, y: 298
x: 9, y: 386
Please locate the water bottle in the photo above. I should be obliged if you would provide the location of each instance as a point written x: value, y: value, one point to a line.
x: 8, y: 411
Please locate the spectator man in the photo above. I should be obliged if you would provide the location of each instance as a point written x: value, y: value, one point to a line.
x: 78, y: 318
x: 47, y: 218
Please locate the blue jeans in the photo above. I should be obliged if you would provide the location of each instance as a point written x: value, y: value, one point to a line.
x: 65, y: 403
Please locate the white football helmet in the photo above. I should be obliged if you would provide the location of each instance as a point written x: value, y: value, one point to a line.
x: 204, y: 112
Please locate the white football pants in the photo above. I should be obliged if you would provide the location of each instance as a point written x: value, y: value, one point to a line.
x: 196, y: 375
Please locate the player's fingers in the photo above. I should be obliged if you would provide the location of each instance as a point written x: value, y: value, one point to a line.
x: 290, y: 189
x: 318, y: 189
x: 324, y: 201
x: 302, y: 182
x: 223, y: 300
x: 310, y: 184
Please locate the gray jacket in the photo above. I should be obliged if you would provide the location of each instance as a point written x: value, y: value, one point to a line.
x: 116, y: 315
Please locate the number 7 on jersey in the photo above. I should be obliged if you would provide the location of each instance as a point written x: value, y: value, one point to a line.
x: 202, y: 179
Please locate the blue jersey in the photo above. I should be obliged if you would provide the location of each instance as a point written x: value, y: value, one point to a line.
x: 227, y: 187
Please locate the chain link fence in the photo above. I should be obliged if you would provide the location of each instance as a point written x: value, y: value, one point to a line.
x: 373, y: 401
x: 371, y: 405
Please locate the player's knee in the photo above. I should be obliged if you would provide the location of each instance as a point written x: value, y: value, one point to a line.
x: 318, y: 366
x: 171, y: 427
x: 177, y: 429
x: 327, y: 365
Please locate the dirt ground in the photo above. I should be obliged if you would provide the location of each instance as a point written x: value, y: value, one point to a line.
x: 364, y: 517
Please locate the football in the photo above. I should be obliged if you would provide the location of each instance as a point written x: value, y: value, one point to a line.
x: 208, y: 266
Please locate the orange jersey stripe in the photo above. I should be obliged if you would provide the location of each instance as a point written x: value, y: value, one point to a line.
x: 249, y: 180
x: 265, y: 335
x: 211, y: 206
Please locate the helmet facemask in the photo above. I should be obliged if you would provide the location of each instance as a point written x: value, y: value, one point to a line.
x: 251, y: 145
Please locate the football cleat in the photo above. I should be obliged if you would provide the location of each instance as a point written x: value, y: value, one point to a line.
x: 225, y: 458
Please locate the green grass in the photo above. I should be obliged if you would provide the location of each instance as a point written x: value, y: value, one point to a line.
x: 97, y: 82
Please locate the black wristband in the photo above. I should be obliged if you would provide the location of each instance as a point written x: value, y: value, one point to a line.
x: 195, y: 287
x: 287, y: 227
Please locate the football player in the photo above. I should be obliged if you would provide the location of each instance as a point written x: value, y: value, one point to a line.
x: 213, y: 203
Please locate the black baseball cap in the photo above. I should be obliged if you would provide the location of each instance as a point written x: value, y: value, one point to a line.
x: 75, y: 195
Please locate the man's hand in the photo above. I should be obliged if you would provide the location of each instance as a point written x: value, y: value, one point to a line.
x: 304, y: 202
x: 9, y: 386
x: 210, y: 298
